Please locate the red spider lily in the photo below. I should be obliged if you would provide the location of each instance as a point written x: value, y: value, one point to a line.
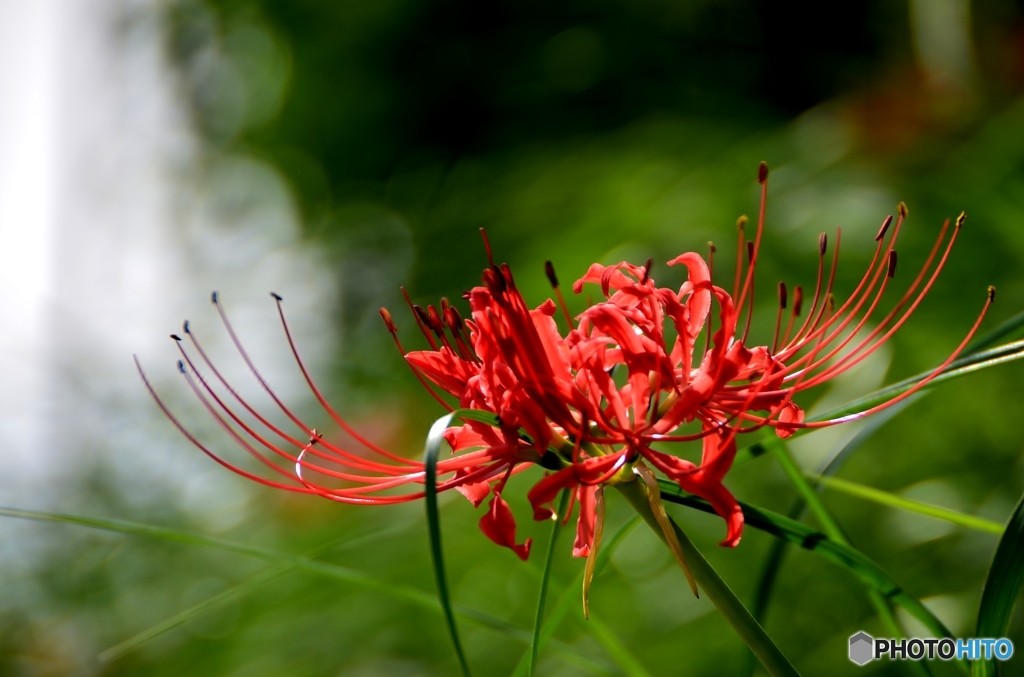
x: 631, y: 373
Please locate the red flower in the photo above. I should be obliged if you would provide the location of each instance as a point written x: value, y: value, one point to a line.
x: 632, y: 372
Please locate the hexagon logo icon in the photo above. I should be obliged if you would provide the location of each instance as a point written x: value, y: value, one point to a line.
x: 862, y: 647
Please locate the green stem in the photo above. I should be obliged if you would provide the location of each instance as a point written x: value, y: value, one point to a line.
x: 749, y: 630
x: 893, y: 501
x: 563, y: 504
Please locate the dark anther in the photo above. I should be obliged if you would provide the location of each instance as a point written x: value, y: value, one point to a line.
x: 181, y: 366
x: 798, y: 299
x: 422, y: 314
x: 991, y: 293
x: 175, y: 337
x: 453, y: 319
x: 960, y: 219
x: 213, y: 297
x: 750, y: 251
x: 762, y: 172
x: 647, y: 271
x: 386, y: 316
x: 549, y: 270
x: 277, y: 297
x: 902, y: 208
x: 822, y: 243
x: 435, y: 321
x: 892, y: 264
x: 782, y: 295
x: 885, y: 227
x: 185, y: 327
x: 741, y: 222
x: 711, y: 247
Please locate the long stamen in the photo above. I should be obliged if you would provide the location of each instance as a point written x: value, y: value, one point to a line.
x: 741, y: 224
x: 386, y: 316
x: 750, y: 307
x: 778, y: 316
x: 549, y: 270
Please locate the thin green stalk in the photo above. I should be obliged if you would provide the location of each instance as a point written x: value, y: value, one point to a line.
x: 570, y: 595
x: 893, y: 501
x: 430, y: 453
x: 749, y: 630
x: 559, y: 516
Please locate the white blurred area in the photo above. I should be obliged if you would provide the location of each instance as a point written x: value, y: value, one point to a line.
x: 113, y: 229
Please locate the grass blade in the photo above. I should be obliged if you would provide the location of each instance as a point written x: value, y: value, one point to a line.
x: 433, y: 446
x: 1002, y: 586
x: 891, y: 500
x: 559, y: 516
x: 724, y: 599
x: 810, y: 539
x: 568, y: 596
x: 1008, y: 328
x: 883, y: 607
x: 139, y: 639
x: 332, y: 571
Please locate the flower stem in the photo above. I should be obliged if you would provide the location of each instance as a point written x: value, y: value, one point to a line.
x: 708, y: 580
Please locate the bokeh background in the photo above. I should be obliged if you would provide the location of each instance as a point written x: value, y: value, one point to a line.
x: 153, y: 151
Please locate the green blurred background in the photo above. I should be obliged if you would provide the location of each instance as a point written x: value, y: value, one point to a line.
x: 576, y: 132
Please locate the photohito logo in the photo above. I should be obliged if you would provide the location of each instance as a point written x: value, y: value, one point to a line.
x: 865, y: 648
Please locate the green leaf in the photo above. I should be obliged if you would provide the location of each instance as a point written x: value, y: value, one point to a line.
x: 883, y: 607
x: 558, y: 517
x: 810, y: 539
x: 894, y: 501
x: 332, y: 571
x: 434, y: 439
x: 1002, y: 586
x: 717, y: 590
x: 1009, y: 328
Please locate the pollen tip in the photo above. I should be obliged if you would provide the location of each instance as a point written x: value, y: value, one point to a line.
x: 176, y: 337
x: 214, y: 296
x: 783, y: 296
x: 960, y: 219
x: 798, y: 299
x: 822, y: 243
x: 647, y: 270
x: 386, y: 316
x: 762, y: 172
x: 892, y: 264
x: 885, y: 227
x: 181, y: 366
x: 711, y: 247
x: 902, y: 209
x: 185, y: 327
x: 992, y: 292
x: 741, y: 222
x: 277, y: 297
x: 549, y: 270
x: 831, y: 303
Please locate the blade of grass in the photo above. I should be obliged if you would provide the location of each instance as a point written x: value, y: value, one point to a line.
x: 749, y: 630
x: 1009, y: 328
x: 558, y: 517
x: 883, y: 606
x: 893, y: 501
x: 773, y: 561
x: 139, y: 639
x: 433, y: 446
x: 332, y: 571
x: 1002, y: 587
x: 810, y: 539
x: 565, y: 600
